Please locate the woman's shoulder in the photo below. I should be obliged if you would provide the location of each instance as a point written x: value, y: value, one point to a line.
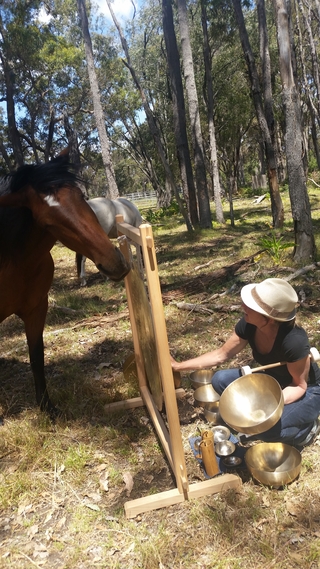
x: 295, y: 342
x: 244, y: 330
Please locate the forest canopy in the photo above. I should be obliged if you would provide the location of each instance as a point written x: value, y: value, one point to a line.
x: 195, y: 101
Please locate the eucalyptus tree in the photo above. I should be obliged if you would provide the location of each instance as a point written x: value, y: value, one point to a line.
x: 152, y: 123
x: 45, y: 64
x: 307, y: 30
x: 112, y: 191
x: 207, y: 56
x: 300, y: 205
x: 276, y: 202
x: 179, y: 112
x: 194, y: 114
x: 234, y: 116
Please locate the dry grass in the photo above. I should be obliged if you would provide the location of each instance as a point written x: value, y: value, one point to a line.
x: 63, y: 486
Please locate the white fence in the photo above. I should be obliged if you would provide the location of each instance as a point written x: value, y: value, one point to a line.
x: 143, y: 200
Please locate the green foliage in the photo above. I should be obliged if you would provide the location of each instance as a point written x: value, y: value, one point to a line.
x: 152, y: 216
x: 274, y: 246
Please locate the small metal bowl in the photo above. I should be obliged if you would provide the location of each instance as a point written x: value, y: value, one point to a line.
x: 220, y: 433
x: 224, y: 448
x: 232, y: 461
x: 201, y: 377
x: 206, y: 396
x: 213, y: 415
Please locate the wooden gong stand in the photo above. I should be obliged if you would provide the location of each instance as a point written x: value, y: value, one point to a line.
x: 170, y: 438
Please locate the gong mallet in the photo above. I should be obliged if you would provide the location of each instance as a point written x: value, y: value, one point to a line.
x: 246, y: 370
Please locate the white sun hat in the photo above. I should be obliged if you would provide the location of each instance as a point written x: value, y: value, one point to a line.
x: 274, y: 298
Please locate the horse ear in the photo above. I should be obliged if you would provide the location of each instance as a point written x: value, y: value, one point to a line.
x: 64, y: 152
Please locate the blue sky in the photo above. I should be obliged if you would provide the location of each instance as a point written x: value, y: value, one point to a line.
x: 123, y: 9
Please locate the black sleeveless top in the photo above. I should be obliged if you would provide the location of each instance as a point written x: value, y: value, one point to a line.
x: 291, y: 345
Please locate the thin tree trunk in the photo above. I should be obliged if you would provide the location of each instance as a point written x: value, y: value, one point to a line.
x: 150, y: 118
x: 314, y: 116
x: 276, y: 202
x: 313, y: 53
x: 210, y: 109
x: 13, y: 132
x: 198, y: 149
x: 112, y: 188
x: 179, y: 115
x: 300, y: 205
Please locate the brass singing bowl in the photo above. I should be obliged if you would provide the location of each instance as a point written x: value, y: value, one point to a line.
x: 273, y: 464
x: 224, y: 448
x: 207, y: 397
x: 200, y: 377
x: 220, y: 433
x: 252, y: 404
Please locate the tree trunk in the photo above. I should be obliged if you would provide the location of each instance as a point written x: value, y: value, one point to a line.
x: 276, y: 202
x: 313, y: 53
x: 300, y: 205
x: 151, y: 121
x: 112, y: 188
x: 199, y: 161
x: 179, y: 116
x: 210, y: 109
x: 314, y: 116
x: 12, y: 126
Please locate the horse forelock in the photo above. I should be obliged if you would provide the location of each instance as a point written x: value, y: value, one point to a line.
x: 5, y: 185
x: 46, y: 178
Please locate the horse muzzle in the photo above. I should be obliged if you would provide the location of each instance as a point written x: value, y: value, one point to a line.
x: 119, y: 272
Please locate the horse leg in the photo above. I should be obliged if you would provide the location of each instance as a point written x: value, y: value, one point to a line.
x: 82, y: 275
x: 34, y: 324
x: 81, y: 269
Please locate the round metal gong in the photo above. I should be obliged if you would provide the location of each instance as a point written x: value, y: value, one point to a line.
x: 143, y: 319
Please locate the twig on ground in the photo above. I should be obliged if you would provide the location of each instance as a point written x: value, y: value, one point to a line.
x: 302, y: 271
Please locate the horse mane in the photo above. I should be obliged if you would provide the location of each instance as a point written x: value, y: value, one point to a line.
x: 5, y: 184
x: 46, y: 178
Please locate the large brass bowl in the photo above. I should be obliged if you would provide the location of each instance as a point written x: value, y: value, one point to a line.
x: 207, y: 397
x: 252, y: 404
x: 200, y: 377
x: 273, y: 464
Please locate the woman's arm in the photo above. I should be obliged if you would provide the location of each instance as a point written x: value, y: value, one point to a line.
x: 299, y: 372
x: 230, y: 348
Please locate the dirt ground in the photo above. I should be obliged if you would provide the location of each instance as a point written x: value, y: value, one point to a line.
x: 64, y: 485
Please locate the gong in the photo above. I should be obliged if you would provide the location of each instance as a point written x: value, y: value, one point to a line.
x: 145, y: 329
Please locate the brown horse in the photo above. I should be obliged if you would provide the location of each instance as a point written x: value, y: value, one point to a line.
x: 40, y: 204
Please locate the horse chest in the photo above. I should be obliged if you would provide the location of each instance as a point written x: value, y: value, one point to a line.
x: 24, y: 285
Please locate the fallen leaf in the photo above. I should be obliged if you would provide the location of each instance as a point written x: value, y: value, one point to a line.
x: 61, y: 522
x: 92, y: 507
x: 128, y: 480
x: 32, y: 530
x: 25, y: 509
x: 101, y: 467
x: 293, y: 508
x: 104, y: 481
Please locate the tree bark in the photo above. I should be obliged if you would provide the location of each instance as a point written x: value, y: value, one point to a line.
x: 300, y: 205
x: 196, y: 134
x: 151, y: 121
x: 314, y: 116
x: 9, y: 83
x: 179, y: 116
x: 210, y: 109
x: 112, y: 188
x: 276, y: 202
